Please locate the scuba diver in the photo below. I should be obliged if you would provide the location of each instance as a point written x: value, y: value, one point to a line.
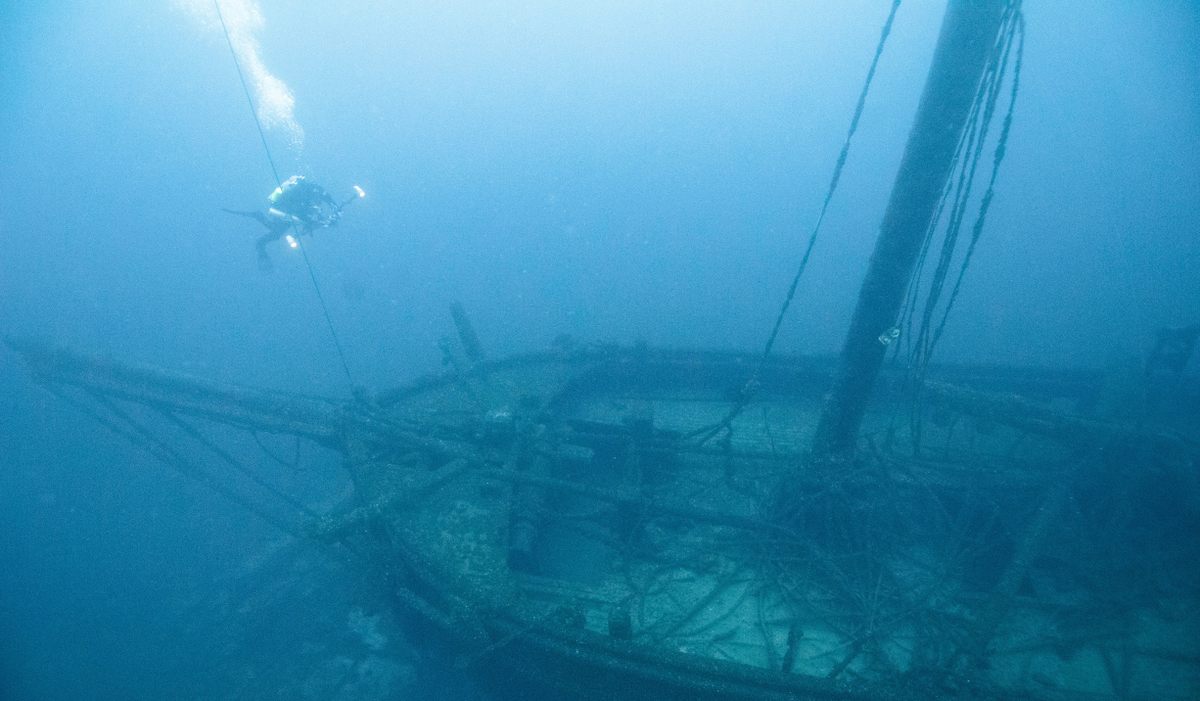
x: 297, y: 205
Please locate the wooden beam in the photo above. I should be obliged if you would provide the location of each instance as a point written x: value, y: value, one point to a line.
x: 319, y: 419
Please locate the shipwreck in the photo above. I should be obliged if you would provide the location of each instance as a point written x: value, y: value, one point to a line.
x: 632, y: 523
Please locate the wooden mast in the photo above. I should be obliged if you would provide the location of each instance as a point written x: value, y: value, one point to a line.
x: 969, y: 32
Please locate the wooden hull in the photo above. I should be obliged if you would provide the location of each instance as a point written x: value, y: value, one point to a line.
x: 569, y: 525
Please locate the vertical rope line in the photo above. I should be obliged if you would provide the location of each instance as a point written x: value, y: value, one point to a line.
x: 987, y: 99
x: 279, y: 183
x: 833, y: 181
x: 982, y: 114
x: 998, y: 157
x: 325, y: 310
x: 752, y: 384
x: 246, y: 89
x: 919, y: 342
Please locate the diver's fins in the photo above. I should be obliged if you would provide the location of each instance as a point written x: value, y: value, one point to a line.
x: 255, y: 215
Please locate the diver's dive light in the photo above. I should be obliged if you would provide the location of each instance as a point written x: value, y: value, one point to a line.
x: 291, y: 241
x: 359, y: 193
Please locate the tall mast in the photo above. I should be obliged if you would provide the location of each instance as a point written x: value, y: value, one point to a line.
x: 969, y: 32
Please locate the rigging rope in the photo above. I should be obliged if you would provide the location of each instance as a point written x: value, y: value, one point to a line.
x: 139, y: 436
x: 929, y: 332
x: 919, y: 346
x: 233, y: 462
x: 997, y: 158
x: 294, y: 465
x: 337, y: 344
x: 751, y: 385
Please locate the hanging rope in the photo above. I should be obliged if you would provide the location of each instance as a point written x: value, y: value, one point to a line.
x: 929, y: 332
x: 920, y: 343
x: 122, y: 424
x: 293, y: 465
x: 982, y: 116
x: 751, y: 387
x: 985, y: 203
x: 233, y: 462
x: 139, y: 436
x: 246, y: 89
x: 337, y: 343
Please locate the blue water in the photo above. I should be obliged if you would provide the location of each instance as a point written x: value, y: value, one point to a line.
x: 614, y: 172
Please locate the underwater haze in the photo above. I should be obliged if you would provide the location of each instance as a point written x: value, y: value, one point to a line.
x: 614, y: 171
